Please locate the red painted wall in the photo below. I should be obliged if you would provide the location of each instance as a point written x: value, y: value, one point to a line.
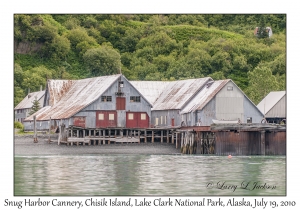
x: 79, y: 121
x: 106, y: 119
x: 137, y: 120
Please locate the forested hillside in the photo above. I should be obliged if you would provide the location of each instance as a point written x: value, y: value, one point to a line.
x: 150, y: 47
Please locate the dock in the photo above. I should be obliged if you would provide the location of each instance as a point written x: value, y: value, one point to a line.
x: 217, y: 139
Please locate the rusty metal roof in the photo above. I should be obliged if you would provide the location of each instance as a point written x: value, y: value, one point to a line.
x: 27, y: 102
x: 39, y: 114
x: 270, y: 101
x: 67, y: 97
x: 150, y: 89
x: 204, y: 96
x: 178, y: 93
x: 57, y: 89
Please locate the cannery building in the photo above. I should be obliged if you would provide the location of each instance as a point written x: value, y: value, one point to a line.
x: 273, y: 106
x: 220, y: 101
x: 100, y: 102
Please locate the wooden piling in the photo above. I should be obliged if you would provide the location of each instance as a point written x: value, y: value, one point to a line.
x: 152, y: 137
x: 167, y: 136
x: 172, y: 137
x: 262, y: 142
x: 60, y: 133
x: 49, y: 138
x: 35, y: 140
x: 139, y: 136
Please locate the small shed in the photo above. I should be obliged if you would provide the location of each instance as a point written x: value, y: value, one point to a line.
x: 267, y: 29
x: 273, y: 106
x: 24, y: 107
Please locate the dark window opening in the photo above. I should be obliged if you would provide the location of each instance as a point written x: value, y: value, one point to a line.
x: 135, y: 98
x: 121, y: 84
x: 249, y: 119
x: 106, y: 98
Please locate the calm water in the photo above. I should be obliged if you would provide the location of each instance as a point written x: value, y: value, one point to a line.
x: 158, y: 175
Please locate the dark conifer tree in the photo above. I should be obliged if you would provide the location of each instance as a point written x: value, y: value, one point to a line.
x: 35, y: 106
x: 262, y: 29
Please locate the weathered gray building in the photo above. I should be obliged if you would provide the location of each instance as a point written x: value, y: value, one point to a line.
x: 113, y: 101
x: 220, y: 101
x: 100, y: 102
x: 171, y: 97
x: 273, y: 106
x: 24, y: 107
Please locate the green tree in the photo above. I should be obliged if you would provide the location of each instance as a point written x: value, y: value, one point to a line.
x: 60, y: 47
x: 102, y: 61
x: 160, y: 42
x: 36, y: 77
x: 78, y: 35
x: 35, y: 106
x: 18, y: 74
x: 18, y: 95
x: 218, y: 75
x: 261, y: 82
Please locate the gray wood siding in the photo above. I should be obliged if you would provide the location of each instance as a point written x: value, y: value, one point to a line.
x: 207, y: 113
x: 165, y: 116
x: 44, y: 125
x: 90, y: 118
x: 128, y: 90
x: 25, y: 112
x: 229, y: 104
x: 250, y: 110
x: 279, y: 110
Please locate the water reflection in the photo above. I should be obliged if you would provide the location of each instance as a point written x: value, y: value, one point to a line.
x: 149, y: 175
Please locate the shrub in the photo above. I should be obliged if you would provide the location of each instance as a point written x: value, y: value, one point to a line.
x: 18, y: 125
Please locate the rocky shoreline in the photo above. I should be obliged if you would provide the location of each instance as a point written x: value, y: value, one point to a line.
x: 24, y: 145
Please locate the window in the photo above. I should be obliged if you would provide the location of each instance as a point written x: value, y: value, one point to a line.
x: 229, y: 88
x: 101, y: 116
x: 130, y: 116
x: 156, y: 121
x: 143, y: 116
x: 121, y: 84
x: 249, y: 119
x: 106, y: 98
x: 135, y: 98
x: 111, y: 116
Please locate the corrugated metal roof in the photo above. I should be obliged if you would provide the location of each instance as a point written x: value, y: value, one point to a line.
x: 204, y: 96
x: 150, y: 89
x: 39, y: 114
x: 178, y: 93
x: 72, y: 96
x: 207, y: 94
x: 57, y: 89
x: 270, y: 101
x: 27, y: 102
